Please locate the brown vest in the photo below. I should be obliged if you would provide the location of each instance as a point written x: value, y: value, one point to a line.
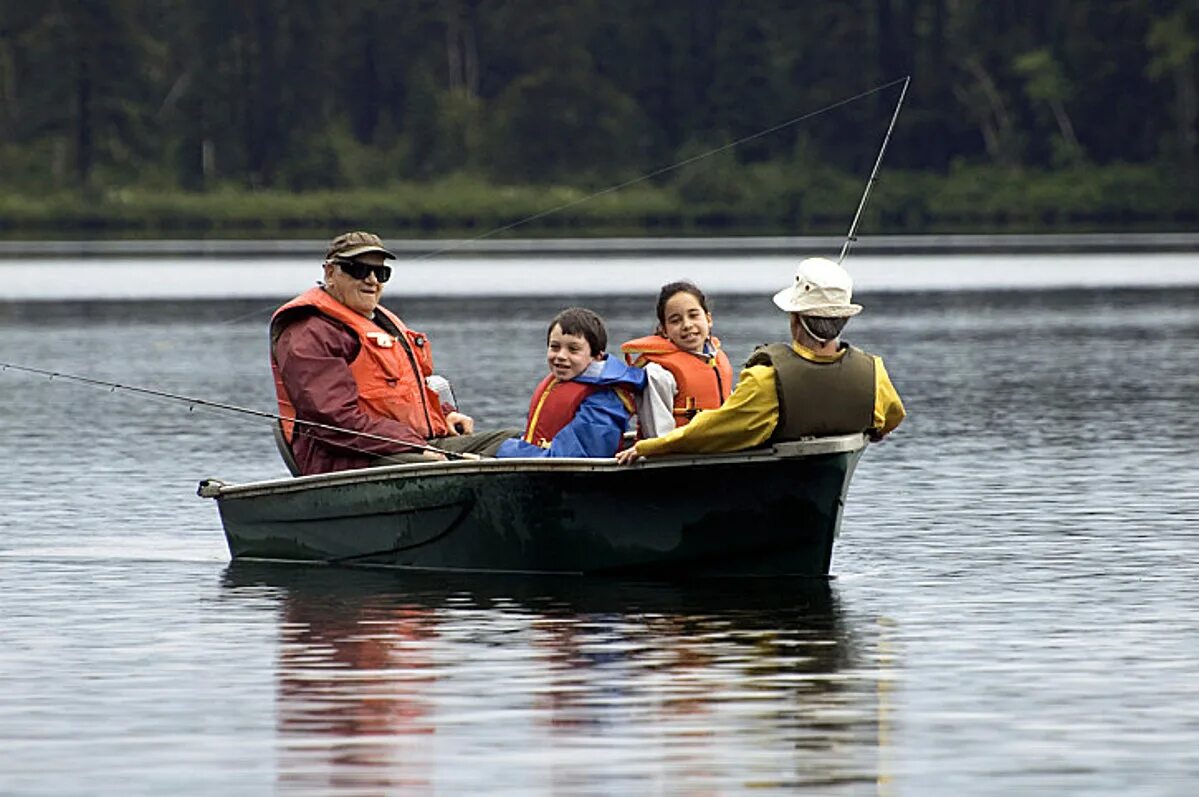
x: 817, y: 399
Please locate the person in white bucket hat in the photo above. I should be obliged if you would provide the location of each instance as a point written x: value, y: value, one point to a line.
x: 821, y: 288
x: 813, y: 386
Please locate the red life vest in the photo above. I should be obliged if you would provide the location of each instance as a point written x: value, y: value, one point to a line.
x: 389, y: 372
x: 703, y: 383
x: 553, y: 405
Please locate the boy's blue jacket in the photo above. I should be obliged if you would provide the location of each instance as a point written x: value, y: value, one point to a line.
x: 600, y: 421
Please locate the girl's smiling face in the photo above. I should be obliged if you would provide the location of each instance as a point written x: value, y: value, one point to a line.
x: 568, y: 355
x: 685, y: 322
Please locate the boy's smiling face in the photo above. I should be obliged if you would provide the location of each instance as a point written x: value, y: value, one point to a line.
x: 568, y: 355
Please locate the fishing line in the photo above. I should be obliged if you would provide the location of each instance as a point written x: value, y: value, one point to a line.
x: 198, y: 402
x: 680, y: 164
x: 666, y: 170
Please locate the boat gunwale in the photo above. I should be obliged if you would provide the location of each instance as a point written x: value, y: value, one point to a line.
x: 808, y: 447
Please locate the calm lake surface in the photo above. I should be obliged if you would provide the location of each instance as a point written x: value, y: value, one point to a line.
x: 1015, y: 606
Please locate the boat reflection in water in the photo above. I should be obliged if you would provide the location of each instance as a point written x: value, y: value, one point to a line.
x: 394, y: 683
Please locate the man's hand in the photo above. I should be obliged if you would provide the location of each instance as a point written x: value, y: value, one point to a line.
x: 436, y: 456
x: 459, y: 423
x: 628, y: 456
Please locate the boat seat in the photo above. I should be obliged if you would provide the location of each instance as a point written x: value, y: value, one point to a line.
x: 289, y: 458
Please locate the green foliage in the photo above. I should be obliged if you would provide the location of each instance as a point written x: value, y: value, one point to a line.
x: 1082, y: 198
x: 460, y: 136
x: 774, y: 198
x: 1044, y: 81
x: 715, y: 180
x: 461, y: 115
x: 551, y: 124
x: 1048, y: 88
x: 1172, y: 43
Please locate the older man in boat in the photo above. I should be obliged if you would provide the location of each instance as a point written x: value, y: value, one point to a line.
x: 342, y: 360
x: 813, y: 386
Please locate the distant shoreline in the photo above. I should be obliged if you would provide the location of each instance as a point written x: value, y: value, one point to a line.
x: 829, y: 246
x: 273, y: 279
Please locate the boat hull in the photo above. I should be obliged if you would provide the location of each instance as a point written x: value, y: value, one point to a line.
x: 764, y: 513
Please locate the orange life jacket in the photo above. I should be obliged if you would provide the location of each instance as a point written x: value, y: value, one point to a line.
x: 553, y: 405
x: 703, y: 383
x: 389, y: 372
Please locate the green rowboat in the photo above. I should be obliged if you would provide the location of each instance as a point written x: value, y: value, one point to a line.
x: 766, y: 512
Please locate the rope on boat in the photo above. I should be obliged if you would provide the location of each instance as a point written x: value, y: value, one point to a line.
x: 198, y: 402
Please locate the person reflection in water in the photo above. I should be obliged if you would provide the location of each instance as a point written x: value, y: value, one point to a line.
x: 354, y: 708
x: 812, y: 386
x: 343, y: 360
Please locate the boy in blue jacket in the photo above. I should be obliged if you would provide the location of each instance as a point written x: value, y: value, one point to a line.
x: 582, y: 407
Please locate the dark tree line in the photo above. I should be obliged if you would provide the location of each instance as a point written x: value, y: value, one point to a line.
x: 305, y: 94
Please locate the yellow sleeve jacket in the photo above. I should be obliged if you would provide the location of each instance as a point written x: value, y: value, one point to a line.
x: 749, y: 416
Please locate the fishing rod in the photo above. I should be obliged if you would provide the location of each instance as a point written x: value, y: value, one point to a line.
x: 197, y: 402
x: 853, y: 227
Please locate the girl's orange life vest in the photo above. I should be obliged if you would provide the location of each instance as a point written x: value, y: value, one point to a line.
x: 553, y: 405
x: 703, y: 383
x: 389, y: 372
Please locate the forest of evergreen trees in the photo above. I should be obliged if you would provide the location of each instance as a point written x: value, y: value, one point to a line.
x: 449, y: 115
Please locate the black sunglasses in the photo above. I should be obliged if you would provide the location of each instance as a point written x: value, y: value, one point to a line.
x: 359, y: 270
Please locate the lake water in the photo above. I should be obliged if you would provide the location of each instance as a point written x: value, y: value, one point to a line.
x: 1015, y: 607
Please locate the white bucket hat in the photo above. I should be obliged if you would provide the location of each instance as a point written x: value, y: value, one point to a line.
x: 821, y: 288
